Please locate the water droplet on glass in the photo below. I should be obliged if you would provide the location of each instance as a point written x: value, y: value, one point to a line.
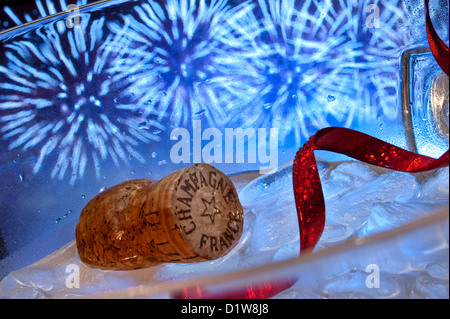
x: 160, y: 163
x: 200, y: 112
x: 143, y: 126
x: 331, y: 98
x: 83, y: 196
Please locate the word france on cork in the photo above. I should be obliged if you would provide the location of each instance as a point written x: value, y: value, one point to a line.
x: 192, y: 215
x: 213, y: 200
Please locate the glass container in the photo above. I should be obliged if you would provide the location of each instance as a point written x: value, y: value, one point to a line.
x: 111, y: 91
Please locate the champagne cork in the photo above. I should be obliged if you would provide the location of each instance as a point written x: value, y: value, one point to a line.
x: 190, y: 216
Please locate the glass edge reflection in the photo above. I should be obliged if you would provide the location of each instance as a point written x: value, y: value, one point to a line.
x: 276, y: 271
x: 406, y: 95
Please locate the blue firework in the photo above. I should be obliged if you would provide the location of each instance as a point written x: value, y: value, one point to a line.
x: 58, y: 99
x: 296, y: 65
x: 299, y: 66
x: 181, y: 60
x: 381, y: 43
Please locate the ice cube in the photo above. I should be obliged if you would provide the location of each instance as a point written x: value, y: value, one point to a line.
x: 353, y: 207
x: 438, y: 269
x: 388, y: 216
x: 299, y: 291
x: 276, y: 223
x: 34, y: 283
x: 354, y: 284
x: 431, y: 287
x: 275, y: 226
x: 62, y: 274
x: 389, y: 187
x: 345, y: 177
x: 334, y: 234
x: 287, y: 252
x: 436, y: 187
x: 266, y: 186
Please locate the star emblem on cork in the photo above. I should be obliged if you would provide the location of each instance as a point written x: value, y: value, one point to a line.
x: 210, y: 209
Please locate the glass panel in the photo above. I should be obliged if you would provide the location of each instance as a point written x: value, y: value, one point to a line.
x: 425, y: 102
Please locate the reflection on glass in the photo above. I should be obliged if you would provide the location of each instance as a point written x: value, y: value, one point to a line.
x: 425, y: 103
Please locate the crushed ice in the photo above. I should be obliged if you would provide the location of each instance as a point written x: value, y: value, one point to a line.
x: 360, y: 200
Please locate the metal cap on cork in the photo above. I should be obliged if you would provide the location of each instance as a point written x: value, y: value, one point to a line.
x: 192, y: 215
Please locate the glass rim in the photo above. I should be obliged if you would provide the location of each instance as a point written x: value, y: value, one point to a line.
x: 278, y: 270
x: 49, y: 17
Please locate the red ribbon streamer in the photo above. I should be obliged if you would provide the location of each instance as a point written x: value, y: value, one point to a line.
x: 309, y: 198
x: 437, y: 46
x: 307, y: 187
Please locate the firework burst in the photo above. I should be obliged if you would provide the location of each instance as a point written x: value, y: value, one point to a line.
x: 179, y: 58
x: 316, y: 64
x: 301, y: 66
x: 296, y: 65
x: 58, y: 98
x: 382, y: 43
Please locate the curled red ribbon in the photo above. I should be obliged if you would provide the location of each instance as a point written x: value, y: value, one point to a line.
x: 307, y: 187
x: 308, y: 193
x: 309, y: 196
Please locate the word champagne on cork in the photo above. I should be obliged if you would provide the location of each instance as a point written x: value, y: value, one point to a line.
x: 190, y: 216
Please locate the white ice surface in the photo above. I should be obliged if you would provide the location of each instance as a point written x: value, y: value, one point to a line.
x: 360, y: 201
